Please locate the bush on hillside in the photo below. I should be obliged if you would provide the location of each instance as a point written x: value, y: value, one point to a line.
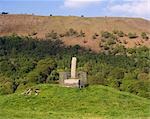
x: 106, y: 47
x: 82, y: 34
x: 119, y: 50
x: 132, y: 35
x: 115, y: 31
x: 144, y: 36
x: 110, y: 41
x: 94, y: 36
x: 7, y: 85
x: 52, y: 35
x: 72, y: 32
x: 120, y: 34
x: 105, y: 34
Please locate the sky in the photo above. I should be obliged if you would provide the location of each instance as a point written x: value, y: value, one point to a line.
x: 89, y: 8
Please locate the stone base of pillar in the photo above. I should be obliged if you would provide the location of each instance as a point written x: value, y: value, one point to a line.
x: 71, y: 82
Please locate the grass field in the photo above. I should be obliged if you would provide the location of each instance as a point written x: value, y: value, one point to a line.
x: 55, y: 102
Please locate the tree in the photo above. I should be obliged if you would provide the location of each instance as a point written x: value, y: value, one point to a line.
x: 42, y: 71
x: 4, y: 13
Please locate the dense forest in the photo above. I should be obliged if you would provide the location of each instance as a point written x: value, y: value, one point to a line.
x: 25, y: 61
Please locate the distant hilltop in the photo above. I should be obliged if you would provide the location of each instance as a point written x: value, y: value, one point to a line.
x: 72, y: 30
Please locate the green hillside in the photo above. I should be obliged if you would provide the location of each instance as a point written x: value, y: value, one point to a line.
x: 55, y: 102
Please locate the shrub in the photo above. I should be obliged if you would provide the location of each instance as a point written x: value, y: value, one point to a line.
x: 94, y: 37
x: 82, y: 34
x: 115, y: 31
x: 96, y: 34
x: 120, y: 34
x: 42, y: 71
x: 119, y: 49
x: 61, y: 35
x: 105, y: 34
x: 106, y: 47
x: 72, y: 32
x: 103, y: 39
x: 99, y: 78
x: 85, y: 41
x: 52, y: 35
x: 140, y: 88
x: 144, y: 35
x: 132, y: 35
x: 131, y: 50
x: 143, y: 76
x: 6, y: 88
x: 33, y: 33
x: 125, y: 42
x: 110, y: 41
x: 53, y: 76
x: 100, y: 45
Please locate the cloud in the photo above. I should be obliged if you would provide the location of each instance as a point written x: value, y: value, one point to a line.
x: 133, y: 8
x: 73, y: 4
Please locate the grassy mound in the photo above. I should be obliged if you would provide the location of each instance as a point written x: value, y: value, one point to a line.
x: 55, y: 102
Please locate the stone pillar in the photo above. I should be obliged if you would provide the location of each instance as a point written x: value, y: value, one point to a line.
x: 73, y: 67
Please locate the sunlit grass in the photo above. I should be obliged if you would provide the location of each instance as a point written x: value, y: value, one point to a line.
x: 55, y: 102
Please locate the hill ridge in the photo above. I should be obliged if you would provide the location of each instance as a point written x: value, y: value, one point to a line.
x: 42, y: 25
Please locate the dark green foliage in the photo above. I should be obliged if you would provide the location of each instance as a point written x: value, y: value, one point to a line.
x: 24, y: 60
x: 41, y: 72
x: 132, y: 35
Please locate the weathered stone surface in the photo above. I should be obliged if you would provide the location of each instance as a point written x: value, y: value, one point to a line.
x: 73, y: 67
x: 71, y: 82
